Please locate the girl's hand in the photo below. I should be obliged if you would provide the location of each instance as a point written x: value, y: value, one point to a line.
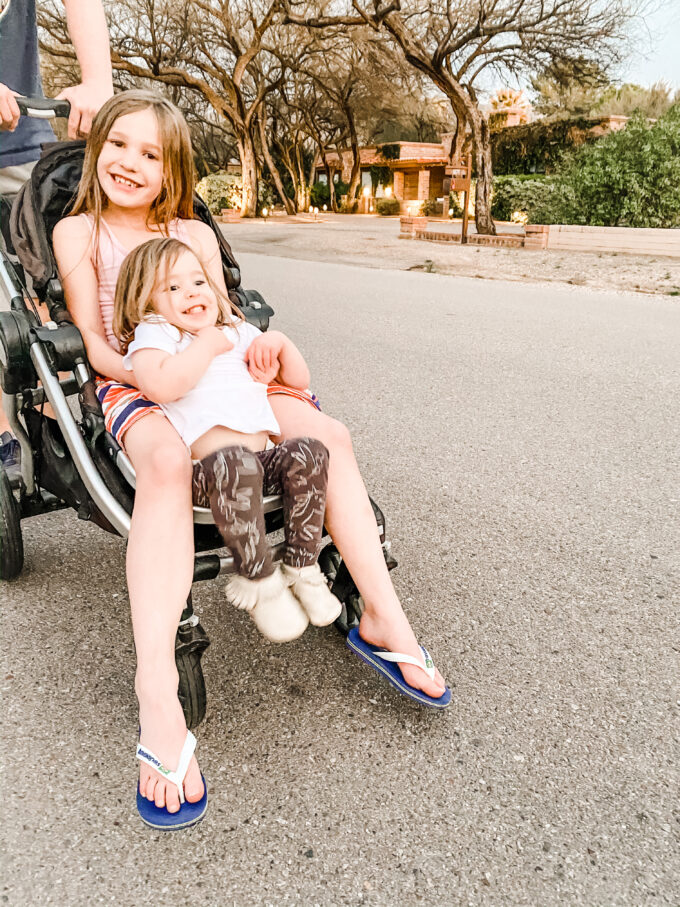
x: 262, y: 357
x: 216, y: 340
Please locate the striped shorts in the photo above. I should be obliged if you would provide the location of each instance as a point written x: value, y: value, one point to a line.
x: 123, y: 405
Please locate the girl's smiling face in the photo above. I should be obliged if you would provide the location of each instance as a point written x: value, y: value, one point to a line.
x: 130, y: 164
x: 184, y: 297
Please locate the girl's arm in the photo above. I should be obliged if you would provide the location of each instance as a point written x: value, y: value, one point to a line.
x: 274, y: 357
x: 71, y: 240
x: 164, y: 377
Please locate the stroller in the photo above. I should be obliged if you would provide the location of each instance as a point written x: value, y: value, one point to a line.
x: 71, y: 460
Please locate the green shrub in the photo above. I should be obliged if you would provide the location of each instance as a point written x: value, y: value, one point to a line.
x: 629, y: 178
x: 320, y: 195
x: 533, y: 195
x: 431, y: 208
x: 220, y: 190
x: 387, y: 206
x: 341, y: 188
x: 455, y: 206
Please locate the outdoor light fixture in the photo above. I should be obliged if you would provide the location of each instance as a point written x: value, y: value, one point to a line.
x: 325, y: 207
x: 265, y: 212
x: 366, y: 192
x: 450, y: 212
x: 388, y: 191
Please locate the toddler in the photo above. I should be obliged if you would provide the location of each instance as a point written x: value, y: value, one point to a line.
x: 194, y: 354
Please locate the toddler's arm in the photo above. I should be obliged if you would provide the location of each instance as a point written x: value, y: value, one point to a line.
x: 164, y: 377
x: 71, y: 240
x: 274, y: 357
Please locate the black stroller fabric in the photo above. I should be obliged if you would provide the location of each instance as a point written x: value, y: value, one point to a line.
x: 48, y: 196
x: 42, y: 201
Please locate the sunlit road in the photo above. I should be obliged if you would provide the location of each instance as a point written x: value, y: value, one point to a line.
x: 523, y: 444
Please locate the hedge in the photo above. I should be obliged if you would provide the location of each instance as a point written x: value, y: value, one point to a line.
x: 387, y: 206
x: 534, y: 195
x: 628, y: 178
x: 220, y: 190
x: 538, y: 147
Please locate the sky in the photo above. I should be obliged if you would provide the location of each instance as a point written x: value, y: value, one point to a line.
x: 657, y: 56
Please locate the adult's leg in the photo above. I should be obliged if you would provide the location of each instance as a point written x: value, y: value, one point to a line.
x: 351, y: 524
x: 159, y: 573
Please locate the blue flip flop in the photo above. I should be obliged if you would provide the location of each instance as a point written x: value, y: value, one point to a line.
x: 386, y: 663
x: 188, y: 813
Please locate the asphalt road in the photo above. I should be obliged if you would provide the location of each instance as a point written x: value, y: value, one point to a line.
x: 523, y: 443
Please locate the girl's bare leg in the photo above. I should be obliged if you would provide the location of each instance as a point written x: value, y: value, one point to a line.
x: 159, y: 572
x: 351, y: 524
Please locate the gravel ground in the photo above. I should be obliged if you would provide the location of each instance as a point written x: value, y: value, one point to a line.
x: 374, y: 242
x: 524, y: 447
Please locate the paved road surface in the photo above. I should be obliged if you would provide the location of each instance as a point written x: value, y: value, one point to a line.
x: 524, y: 446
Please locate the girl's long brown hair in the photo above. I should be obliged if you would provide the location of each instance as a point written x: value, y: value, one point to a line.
x: 138, y: 278
x: 175, y: 200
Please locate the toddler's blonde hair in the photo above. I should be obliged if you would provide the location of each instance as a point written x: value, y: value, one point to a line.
x: 138, y: 279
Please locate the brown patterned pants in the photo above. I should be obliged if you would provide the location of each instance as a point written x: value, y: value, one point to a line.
x: 232, y: 482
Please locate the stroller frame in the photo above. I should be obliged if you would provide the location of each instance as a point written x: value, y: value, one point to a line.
x: 71, y: 461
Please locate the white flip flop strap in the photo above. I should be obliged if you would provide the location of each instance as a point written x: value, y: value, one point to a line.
x: 177, y: 777
x: 427, y: 666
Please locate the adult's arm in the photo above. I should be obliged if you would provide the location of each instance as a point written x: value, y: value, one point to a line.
x: 71, y: 240
x: 89, y: 33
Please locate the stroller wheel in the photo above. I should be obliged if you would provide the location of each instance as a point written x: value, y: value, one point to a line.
x: 11, y: 541
x: 342, y: 586
x: 191, y: 690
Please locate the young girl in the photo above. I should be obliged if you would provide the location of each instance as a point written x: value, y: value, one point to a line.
x: 190, y: 350
x: 137, y: 184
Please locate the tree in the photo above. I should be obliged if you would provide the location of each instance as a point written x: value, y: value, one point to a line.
x: 454, y: 43
x: 581, y: 87
x: 627, y: 99
x: 215, y: 49
x: 568, y: 87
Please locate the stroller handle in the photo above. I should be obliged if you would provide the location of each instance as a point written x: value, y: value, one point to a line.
x: 43, y: 108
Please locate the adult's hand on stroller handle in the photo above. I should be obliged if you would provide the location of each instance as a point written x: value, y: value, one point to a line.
x: 43, y: 108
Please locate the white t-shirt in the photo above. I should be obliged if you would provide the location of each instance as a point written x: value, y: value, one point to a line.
x: 226, y: 394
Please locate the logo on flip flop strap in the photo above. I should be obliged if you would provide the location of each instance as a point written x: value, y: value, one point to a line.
x: 150, y: 758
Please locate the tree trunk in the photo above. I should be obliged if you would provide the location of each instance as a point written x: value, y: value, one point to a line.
x: 246, y: 152
x: 355, y: 177
x: 331, y: 189
x: 273, y: 169
x: 301, y: 187
x: 481, y: 141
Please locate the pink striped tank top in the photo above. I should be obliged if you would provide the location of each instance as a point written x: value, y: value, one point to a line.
x: 107, y: 267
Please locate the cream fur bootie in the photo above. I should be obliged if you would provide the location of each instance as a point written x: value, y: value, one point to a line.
x: 308, y: 585
x: 274, y: 609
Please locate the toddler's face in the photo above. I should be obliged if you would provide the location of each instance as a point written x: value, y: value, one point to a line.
x: 184, y: 297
